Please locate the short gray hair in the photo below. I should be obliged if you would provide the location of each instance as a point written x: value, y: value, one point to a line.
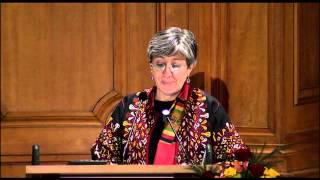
x: 171, y: 41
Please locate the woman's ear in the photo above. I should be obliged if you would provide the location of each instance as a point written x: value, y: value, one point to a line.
x: 192, y: 66
x: 150, y: 65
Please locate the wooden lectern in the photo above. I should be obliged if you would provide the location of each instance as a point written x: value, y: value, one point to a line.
x: 116, y: 171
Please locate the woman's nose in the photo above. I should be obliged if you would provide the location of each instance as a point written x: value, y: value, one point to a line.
x: 167, y: 70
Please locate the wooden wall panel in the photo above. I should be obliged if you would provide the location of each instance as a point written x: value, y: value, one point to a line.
x: 56, y: 63
x: 302, y: 111
x: 200, y: 23
x: 135, y: 23
x: 53, y: 141
x: 141, y: 25
x: 306, y: 59
x: 247, y: 64
x: 131, y: 67
x: 55, y: 57
x: 248, y: 68
x: 300, y: 123
x: 177, y: 15
x: 309, y: 42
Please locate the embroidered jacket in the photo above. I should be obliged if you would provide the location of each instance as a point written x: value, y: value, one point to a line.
x: 125, y: 137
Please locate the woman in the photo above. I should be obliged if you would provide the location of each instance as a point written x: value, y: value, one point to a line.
x: 170, y: 123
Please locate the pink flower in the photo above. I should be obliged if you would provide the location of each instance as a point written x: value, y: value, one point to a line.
x: 245, y: 165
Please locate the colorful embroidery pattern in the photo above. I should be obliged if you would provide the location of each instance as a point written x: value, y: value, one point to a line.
x: 190, y: 118
x: 107, y: 144
x: 225, y: 141
x: 193, y: 130
x: 136, y: 132
x: 167, y: 144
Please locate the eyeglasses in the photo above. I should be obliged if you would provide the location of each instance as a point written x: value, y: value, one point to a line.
x: 174, y: 68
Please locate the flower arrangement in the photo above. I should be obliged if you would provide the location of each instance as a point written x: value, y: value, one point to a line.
x: 242, y: 163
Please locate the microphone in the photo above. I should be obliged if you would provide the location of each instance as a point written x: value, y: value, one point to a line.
x: 35, y: 154
x: 166, y: 118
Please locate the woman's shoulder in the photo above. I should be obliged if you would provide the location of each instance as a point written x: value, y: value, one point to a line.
x: 138, y: 95
x: 212, y: 101
x: 217, y: 115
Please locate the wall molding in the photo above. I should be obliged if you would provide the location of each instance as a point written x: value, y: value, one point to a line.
x: 302, y: 95
x: 49, y: 119
x: 106, y: 105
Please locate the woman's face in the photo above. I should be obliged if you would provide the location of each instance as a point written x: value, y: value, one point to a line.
x: 169, y: 73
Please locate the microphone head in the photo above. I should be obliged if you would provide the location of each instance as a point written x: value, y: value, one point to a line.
x: 165, y: 112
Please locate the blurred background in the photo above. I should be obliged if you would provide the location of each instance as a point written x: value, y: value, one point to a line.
x: 64, y: 66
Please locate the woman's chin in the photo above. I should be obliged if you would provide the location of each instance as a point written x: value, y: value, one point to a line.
x: 169, y: 91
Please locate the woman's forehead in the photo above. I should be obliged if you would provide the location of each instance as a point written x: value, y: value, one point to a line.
x: 177, y: 56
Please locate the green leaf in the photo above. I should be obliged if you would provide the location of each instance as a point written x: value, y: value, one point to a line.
x: 270, y: 164
x: 274, y: 152
x: 199, y: 170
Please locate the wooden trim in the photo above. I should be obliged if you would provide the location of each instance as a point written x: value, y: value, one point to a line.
x: 215, y: 52
x: 297, y: 149
x: 257, y: 135
x: 313, y: 172
x: 308, y: 95
x: 310, y: 135
x: 105, y: 105
x: 161, y: 16
x: 220, y: 40
x: 296, y: 52
x: 40, y: 115
x: 245, y: 131
x: 61, y: 122
x: 188, y: 15
x: 301, y: 95
x: 49, y: 120
x: 120, y: 47
x: 275, y: 65
x: 224, y: 48
x: 44, y: 158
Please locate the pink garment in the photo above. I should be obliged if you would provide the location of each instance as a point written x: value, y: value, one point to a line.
x: 165, y: 153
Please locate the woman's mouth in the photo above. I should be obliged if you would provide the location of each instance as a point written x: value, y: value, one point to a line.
x: 167, y: 82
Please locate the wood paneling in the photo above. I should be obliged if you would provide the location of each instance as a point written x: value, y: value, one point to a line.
x: 55, y: 57
x: 64, y: 67
x: 302, y: 117
x: 200, y: 23
x: 56, y: 63
x: 141, y: 25
x: 177, y: 15
x: 247, y: 63
x: 52, y: 140
x: 299, y: 124
x: 306, y: 59
x: 135, y: 25
x: 248, y: 67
